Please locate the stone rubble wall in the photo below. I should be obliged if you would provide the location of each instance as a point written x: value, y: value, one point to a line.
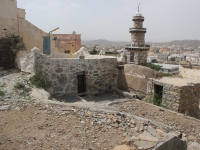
x: 101, y: 74
x: 189, y: 100
x: 183, y: 99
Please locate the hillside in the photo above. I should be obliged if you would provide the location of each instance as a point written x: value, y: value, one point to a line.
x: 182, y: 43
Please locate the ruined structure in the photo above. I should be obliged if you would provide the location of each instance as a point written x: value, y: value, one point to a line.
x: 138, y: 49
x: 181, y: 95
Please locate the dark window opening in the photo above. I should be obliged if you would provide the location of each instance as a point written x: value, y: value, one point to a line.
x: 67, y: 51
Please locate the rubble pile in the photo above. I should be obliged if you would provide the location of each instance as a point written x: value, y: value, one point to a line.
x: 53, y: 126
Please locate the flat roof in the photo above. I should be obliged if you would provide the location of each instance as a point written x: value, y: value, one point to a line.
x: 167, y: 66
x: 177, y: 81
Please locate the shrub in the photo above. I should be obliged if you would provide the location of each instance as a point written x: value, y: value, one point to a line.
x: 2, y: 93
x: 156, y: 100
x: 166, y: 74
x: 20, y: 87
x: 154, y: 61
x: 154, y: 67
x: 40, y: 80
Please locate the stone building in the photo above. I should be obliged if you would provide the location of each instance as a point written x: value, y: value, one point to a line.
x: 138, y: 49
x: 177, y: 94
x: 65, y: 41
x: 91, y: 75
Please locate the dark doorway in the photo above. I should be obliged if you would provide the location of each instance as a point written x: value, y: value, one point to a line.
x: 6, y: 55
x: 131, y: 57
x: 81, y: 83
x: 158, y: 92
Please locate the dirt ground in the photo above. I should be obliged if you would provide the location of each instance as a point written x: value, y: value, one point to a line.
x: 37, y: 127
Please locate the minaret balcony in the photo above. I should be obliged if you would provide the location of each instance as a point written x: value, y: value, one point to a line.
x: 139, y: 47
x: 137, y: 30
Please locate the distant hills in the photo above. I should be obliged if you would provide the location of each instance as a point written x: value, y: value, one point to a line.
x: 183, y: 43
x: 103, y: 42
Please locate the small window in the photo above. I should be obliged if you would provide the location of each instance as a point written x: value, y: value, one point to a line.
x: 67, y: 51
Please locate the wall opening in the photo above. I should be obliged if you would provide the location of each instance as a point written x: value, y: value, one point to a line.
x: 81, y: 83
x: 158, y: 93
x: 131, y: 57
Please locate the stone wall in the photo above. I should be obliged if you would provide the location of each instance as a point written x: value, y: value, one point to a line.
x: 182, y: 99
x: 189, y: 100
x: 170, y: 96
x: 140, y: 57
x: 101, y: 72
x: 9, y: 47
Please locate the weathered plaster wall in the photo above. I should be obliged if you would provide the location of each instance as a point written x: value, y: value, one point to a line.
x: 183, y: 99
x: 66, y: 39
x: 32, y: 35
x: 8, y: 18
x: 189, y: 73
x: 133, y: 78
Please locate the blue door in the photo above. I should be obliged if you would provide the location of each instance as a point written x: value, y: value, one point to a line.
x: 46, y: 45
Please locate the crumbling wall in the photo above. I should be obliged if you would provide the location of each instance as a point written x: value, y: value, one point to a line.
x: 133, y: 78
x: 189, y: 100
x: 189, y: 73
x: 183, y: 99
x: 9, y: 47
x: 170, y: 95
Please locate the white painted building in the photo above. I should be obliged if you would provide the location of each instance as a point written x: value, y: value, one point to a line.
x: 163, y: 56
x: 168, y: 68
x: 150, y: 58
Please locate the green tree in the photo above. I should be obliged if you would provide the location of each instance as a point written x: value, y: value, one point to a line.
x: 154, y: 61
x: 172, y: 58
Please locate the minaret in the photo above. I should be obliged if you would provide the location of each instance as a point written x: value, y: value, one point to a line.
x: 138, y: 49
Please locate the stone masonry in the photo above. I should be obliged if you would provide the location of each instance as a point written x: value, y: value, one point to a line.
x: 137, y: 51
x: 101, y: 72
x: 181, y: 98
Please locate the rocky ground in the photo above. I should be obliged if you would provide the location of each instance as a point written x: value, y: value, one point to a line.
x: 190, y: 127
x: 30, y: 121
x: 34, y: 125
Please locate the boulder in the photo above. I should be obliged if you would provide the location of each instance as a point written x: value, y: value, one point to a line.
x: 121, y: 147
x: 27, y: 64
x: 40, y: 94
x: 194, y: 146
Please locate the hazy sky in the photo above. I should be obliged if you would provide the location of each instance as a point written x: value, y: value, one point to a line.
x: 165, y: 20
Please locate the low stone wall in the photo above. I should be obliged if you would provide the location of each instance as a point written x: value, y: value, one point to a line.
x: 170, y: 95
x: 101, y: 74
x: 183, y: 99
